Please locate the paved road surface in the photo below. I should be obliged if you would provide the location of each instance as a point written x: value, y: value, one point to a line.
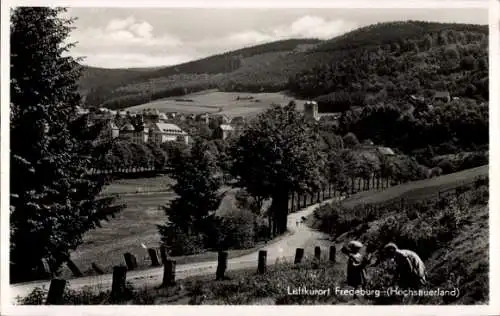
x: 301, y: 236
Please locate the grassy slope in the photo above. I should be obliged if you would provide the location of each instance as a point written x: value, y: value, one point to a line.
x: 152, y: 184
x: 137, y: 224
x: 418, y: 190
x: 467, y: 254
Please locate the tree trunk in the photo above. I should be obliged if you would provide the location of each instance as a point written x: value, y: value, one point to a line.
x: 279, y: 210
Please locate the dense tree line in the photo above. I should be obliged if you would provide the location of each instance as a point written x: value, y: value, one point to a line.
x: 461, y: 125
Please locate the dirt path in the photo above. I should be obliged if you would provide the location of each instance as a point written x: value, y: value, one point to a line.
x: 301, y: 237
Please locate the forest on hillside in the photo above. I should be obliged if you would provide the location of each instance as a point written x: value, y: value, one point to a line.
x: 378, y: 63
x: 450, y: 60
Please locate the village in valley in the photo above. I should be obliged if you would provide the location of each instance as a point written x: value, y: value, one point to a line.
x: 326, y: 160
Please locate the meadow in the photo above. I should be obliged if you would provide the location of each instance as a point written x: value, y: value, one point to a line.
x: 214, y: 101
x: 159, y: 183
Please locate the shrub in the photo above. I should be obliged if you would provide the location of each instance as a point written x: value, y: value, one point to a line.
x: 480, y: 195
x: 474, y: 160
x: 180, y: 243
x: 447, y: 166
x: 234, y: 230
x: 350, y: 140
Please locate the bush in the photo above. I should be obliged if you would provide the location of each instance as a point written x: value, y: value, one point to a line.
x: 480, y: 196
x: 474, y: 160
x: 181, y: 243
x: 447, y: 166
x: 234, y: 230
x: 350, y: 140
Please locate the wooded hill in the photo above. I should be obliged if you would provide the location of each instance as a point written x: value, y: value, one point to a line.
x: 381, y: 62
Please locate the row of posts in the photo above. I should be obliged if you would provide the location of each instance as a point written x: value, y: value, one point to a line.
x: 118, y: 286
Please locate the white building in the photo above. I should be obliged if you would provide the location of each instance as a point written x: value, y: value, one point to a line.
x: 131, y: 134
x: 165, y: 132
x: 224, y: 131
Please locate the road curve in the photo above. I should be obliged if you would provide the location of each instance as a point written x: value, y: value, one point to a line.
x: 284, y: 248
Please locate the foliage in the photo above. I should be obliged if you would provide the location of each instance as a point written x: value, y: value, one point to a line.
x: 53, y: 202
x: 234, y: 230
x: 350, y: 140
x: 394, y: 60
x: 458, y: 125
x: 277, y: 154
x: 197, y: 188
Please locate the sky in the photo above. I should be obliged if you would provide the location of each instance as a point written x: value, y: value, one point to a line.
x: 150, y: 37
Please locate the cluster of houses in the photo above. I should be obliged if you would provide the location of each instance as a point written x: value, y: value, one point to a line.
x: 155, y: 127
x: 156, y: 133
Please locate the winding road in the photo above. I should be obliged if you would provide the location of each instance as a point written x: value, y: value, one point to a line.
x: 300, y: 236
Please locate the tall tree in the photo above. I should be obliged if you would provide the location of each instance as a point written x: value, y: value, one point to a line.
x: 53, y: 201
x: 277, y: 154
x: 198, y: 190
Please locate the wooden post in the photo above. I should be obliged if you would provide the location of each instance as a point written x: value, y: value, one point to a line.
x: 154, y: 257
x: 318, y: 198
x: 291, y: 203
x: 261, y: 269
x: 56, y: 291
x: 332, y: 256
x: 119, y: 278
x: 317, y: 257
x: 169, y: 273
x: 222, y: 265
x: 97, y: 268
x: 74, y: 269
x: 130, y: 260
x: 163, y: 254
x: 299, y: 254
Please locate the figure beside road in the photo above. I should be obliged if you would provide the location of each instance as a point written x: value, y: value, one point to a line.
x: 410, y: 269
x: 356, y: 264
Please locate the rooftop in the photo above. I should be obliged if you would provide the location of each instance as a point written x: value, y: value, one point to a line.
x: 226, y: 127
x: 385, y: 151
x: 128, y: 128
x: 169, y: 128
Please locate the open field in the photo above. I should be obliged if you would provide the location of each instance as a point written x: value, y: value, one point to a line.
x: 134, y: 226
x: 150, y: 184
x: 213, y: 101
